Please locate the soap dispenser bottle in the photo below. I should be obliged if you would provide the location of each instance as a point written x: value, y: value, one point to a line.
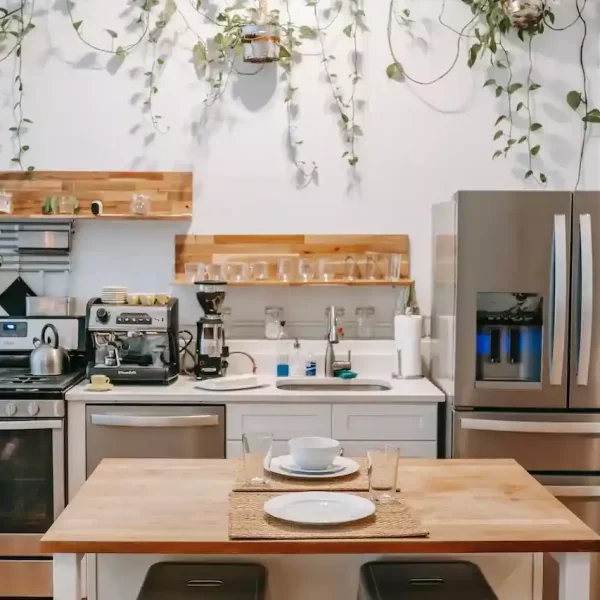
x: 297, y: 362
x: 282, y: 354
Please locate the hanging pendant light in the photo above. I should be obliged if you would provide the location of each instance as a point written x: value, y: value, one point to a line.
x: 524, y: 13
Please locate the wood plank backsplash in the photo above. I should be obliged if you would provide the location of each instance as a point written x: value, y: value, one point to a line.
x: 170, y: 192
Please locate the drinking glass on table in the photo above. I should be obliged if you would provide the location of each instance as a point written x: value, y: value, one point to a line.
x: 382, y: 465
x: 257, y: 448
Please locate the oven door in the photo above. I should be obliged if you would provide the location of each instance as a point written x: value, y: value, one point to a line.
x: 32, y: 483
x: 581, y: 495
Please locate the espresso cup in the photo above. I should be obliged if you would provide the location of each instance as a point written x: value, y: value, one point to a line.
x: 99, y: 380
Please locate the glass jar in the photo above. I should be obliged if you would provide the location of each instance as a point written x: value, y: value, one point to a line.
x: 6, y: 203
x: 273, y: 322
x: 365, y: 325
x: 140, y: 204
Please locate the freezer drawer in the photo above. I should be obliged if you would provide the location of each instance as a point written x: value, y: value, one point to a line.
x: 150, y: 431
x: 538, y: 441
x: 581, y: 495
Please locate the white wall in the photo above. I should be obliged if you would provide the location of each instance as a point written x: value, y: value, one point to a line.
x: 420, y: 144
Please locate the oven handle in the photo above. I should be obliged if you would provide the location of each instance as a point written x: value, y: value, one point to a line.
x: 19, y: 425
x: 529, y: 426
x: 117, y: 420
x: 574, y: 491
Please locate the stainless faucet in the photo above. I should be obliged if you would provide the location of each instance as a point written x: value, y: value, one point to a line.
x: 331, y: 364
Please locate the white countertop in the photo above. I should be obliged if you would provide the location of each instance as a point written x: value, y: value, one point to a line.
x: 184, y: 390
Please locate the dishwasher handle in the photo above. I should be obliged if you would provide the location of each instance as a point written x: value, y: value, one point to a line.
x: 119, y: 420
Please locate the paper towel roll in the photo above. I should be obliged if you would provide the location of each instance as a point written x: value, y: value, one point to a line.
x: 407, y: 333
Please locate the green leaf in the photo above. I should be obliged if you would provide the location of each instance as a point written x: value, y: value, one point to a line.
x: 521, y: 35
x: 27, y: 121
x: 498, y: 135
x: 307, y: 33
x: 345, y: 118
x: 12, y: 129
x: 77, y: 25
x: 15, y: 160
x: 489, y: 82
x: 497, y: 154
x: 535, y: 150
x: 499, y: 91
x: 500, y: 65
x: 535, y: 126
x: 522, y: 139
x: 473, y: 52
x: 345, y: 154
x: 199, y: 54
x: 352, y: 161
x: 120, y: 52
x: 574, y: 99
x: 593, y: 116
x: 348, y: 30
x: 284, y: 52
x: 543, y: 178
x: 25, y: 148
x: 113, y: 34
x: 520, y: 106
x: 513, y: 87
x: 499, y: 120
x: 160, y: 61
x: 198, y: 4
x: 528, y: 174
x: 395, y: 71
x: 534, y: 86
x: 511, y: 142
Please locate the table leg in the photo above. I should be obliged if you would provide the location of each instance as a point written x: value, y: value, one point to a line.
x: 67, y: 576
x: 575, y: 572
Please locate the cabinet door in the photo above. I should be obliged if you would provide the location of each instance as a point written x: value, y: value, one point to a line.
x: 384, y: 422
x: 285, y: 421
x: 408, y: 449
x: 234, y: 449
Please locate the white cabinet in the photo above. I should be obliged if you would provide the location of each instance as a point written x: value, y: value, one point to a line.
x: 412, y: 427
x: 384, y: 422
x: 408, y: 449
x: 285, y: 421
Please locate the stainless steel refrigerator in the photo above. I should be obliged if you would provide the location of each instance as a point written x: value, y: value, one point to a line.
x: 516, y: 337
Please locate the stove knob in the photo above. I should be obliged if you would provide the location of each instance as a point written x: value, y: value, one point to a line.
x: 33, y: 409
x: 10, y: 409
x: 102, y: 315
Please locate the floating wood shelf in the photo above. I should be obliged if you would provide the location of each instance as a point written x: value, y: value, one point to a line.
x: 222, y: 249
x: 170, y: 193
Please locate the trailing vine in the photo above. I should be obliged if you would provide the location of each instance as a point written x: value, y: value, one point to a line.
x: 492, y: 22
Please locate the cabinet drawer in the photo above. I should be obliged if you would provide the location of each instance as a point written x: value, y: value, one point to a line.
x: 407, y: 449
x: 385, y: 422
x: 283, y: 420
x: 234, y: 449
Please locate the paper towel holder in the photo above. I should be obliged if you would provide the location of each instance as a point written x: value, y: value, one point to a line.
x: 398, y: 373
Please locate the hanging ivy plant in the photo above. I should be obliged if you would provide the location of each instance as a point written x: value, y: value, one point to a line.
x: 491, y: 24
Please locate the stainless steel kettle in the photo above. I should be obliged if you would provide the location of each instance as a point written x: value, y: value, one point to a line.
x: 48, y: 358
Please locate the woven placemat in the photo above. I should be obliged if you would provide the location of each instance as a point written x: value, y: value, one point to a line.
x: 357, y: 482
x: 248, y: 521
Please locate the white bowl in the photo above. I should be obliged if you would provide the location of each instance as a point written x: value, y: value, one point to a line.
x: 314, y: 453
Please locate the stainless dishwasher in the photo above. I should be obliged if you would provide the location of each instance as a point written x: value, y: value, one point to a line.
x: 153, y: 431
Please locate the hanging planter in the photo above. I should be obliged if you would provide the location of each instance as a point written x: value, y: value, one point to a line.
x: 524, y: 14
x: 260, y: 43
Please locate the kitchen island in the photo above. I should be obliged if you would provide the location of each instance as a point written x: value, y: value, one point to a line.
x: 180, y: 507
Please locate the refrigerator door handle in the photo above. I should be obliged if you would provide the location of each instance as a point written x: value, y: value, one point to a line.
x: 586, y: 299
x: 559, y: 329
x: 574, y: 491
x: 581, y: 428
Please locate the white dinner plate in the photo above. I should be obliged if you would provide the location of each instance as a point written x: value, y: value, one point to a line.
x: 319, y: 508
x: 350, y: 466
x: 287, y: 463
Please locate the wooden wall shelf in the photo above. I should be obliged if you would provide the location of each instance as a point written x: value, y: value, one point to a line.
x: 221, y: 249
x: 170, y: 193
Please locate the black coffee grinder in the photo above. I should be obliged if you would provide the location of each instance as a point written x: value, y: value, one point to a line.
x: 211, y: 351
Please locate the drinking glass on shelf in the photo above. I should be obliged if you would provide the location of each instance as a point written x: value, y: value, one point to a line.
x: 350, y: 269
x: 140, y: 204
x: 284, y: 269
x: 214, y: 272
x: 326, y: 269
x: 257, y: 448
x: 66, y: 205
x: 260, y: 270
x: 306, y: 269
x: 382, y: 467
x: 371, y: 267
x: 393, y: 266
x: 191, y: 272
x: 235, y: 272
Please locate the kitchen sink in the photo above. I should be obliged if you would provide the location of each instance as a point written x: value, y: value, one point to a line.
x: 310, y: 384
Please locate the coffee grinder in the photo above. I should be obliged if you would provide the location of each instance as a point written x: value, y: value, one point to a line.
x: 211, y: 351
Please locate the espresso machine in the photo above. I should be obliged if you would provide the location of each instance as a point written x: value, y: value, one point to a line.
x: 211, y: 351
x: 131, y: 343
